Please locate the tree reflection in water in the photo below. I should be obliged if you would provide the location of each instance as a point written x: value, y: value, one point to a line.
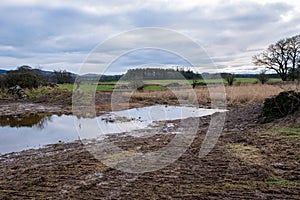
x: 38, y: 120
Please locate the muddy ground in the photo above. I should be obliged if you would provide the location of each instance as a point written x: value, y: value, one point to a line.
x: 250, y: 161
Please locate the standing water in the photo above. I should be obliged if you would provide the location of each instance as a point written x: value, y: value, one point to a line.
x: 22, y: 132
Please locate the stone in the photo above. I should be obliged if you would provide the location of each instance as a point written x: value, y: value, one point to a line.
x: 17, y: 90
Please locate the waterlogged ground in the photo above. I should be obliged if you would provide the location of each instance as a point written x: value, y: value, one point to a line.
x: 250, y: 161
x: 27, y: 131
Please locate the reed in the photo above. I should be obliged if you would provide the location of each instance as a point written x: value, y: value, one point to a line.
x: 236, y: 95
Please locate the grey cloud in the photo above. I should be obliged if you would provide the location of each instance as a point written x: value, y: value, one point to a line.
x: 227, y: 31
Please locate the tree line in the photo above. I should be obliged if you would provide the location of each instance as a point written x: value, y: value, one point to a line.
x: 160, y: 74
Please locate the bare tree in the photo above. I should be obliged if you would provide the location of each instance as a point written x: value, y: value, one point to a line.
x: 276, y: 57
x: 62, y: 76
x: 294, y: 54
x: 281, y: 57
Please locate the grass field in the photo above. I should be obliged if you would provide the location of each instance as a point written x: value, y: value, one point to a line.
x: 254, y: 80
x: 158, y: 84
x: 237, y: 80
x: 87, y: 87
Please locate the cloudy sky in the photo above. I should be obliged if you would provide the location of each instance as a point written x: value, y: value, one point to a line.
x: 56, y: 34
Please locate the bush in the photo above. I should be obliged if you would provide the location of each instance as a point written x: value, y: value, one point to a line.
x: 2, y: 82
x: 230, y: 79
x: 23, y: 79
x: 263, y: 77
x: 284, y: 103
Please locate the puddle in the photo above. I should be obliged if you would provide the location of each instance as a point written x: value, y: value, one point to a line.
x: 18, y: 133
x: 136, y: 118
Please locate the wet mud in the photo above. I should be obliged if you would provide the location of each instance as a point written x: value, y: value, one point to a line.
x: 249, y: 161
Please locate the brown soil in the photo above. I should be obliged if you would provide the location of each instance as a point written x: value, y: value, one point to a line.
x: 62, y: 103
x: 250, y: 161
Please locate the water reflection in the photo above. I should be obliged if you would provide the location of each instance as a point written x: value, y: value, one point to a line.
x: 18, y: 133
x: 22, y: 132
x: 30, y: 120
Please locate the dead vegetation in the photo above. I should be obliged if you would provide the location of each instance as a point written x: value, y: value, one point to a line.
x: 236, y: 95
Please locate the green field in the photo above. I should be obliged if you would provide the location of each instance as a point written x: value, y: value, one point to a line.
x: 254, y: 80
x: 237, y: 80
x: 88, y: 87
x: 152, y: 85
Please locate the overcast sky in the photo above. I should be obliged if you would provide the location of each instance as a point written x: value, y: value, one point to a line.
x: 61, y: 34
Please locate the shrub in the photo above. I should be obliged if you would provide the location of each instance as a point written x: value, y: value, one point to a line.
x: 230, y: 79
x: 24, y: 76
x: 2, y: 82
x: 263, y: 77
x: 23, y: 79
x: 284, y: 103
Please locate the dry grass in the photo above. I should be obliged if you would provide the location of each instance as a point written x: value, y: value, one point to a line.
x: 255, y: 93
x: 236, y: 95
x: 247, y: 153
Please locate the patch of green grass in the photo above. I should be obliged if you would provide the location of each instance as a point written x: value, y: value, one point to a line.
x: 154, y: 87
x: 66, y: 86
x: 166, y: 82
x: 183, y: 81
x: 290, y: 130
x: 211, y: 81
x: 296, y: 157
x: 246, y: 80
x: 105, y: 87
x: 89, y: 87
x: 255, y: 80
x: 294, y: 136
x: 292, y: 133
x: 274, y: 80
x: 281, y: 182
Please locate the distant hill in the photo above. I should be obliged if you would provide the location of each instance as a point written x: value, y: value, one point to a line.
x: 88, y: 77
x: 3, y: 71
